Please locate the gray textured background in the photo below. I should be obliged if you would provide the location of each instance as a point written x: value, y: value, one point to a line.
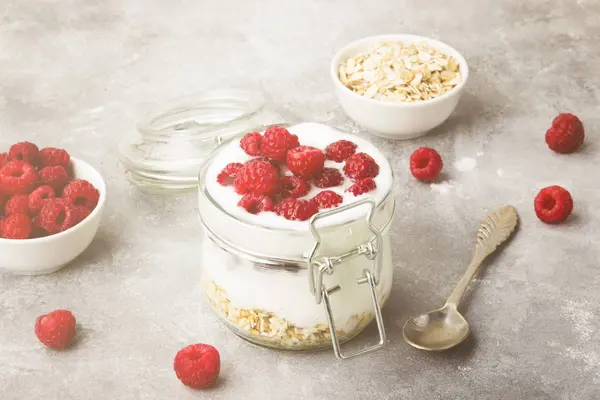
x: 78, y: 74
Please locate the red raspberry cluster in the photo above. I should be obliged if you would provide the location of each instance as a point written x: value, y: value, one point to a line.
x: 264, y: 186
x: 553, y: 204
x: 38, y: 196
x: 196, y: 366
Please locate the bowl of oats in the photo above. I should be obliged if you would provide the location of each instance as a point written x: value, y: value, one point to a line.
x: 399, y: 86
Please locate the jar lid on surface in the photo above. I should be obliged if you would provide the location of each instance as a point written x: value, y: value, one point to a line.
x: 171, y: 144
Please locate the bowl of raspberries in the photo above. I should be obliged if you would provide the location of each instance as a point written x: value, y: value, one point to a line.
x: 50, y: 208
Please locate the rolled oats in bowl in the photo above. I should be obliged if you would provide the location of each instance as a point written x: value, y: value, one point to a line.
x: 400, y: 72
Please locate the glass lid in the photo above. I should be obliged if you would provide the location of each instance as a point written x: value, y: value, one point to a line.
x: 170, y: 145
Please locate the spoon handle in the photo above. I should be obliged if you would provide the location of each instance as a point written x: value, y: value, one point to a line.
x: 462, y: 285
x: 494, y: 230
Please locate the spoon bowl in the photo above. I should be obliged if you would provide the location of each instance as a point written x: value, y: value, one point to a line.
x: 436, y: 330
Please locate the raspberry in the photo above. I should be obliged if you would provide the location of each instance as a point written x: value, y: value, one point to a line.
x: 361, y: 165
x: 339, y: 151
x: 566, y: 134
x: 17, y: 177
x: 327, y: 199
x: 295, y: 209
x: 57, y: 215
x: 56, y: 329
x: 362, y: 186
x: 55, y: 176
x: 553, y: 204
x: 197, y: 366
x: 79, y: 214
x: 276, y: 142
x: 426, y: 164
x: 24, y: 151
x: 258, y: 177
x: 305, y: 161
x: 50, y: 157
x: 16, y: 226
x: 226, y: 176
x: 36, y: 229
x: 80, y: 192
x: 3, y: 159
x: 38, y: 197
x: 291, y: 186
x: 250, y: 143
x: 329, y: 177
x: 267, y: 159
x: 256, y: 203
x: 18, y: 204
x: 3, y: 198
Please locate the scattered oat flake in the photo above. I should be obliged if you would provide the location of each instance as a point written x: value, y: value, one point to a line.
x: 399, y: 72
x: 443, y: 187
x: 465, y: 164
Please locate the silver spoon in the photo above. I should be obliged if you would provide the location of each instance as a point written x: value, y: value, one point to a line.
x: 444, y: 328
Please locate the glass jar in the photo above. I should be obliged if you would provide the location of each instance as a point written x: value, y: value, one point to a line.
x: 298, y: 289
x: 170, y: 144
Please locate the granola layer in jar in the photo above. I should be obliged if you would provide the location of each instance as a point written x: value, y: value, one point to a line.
x: 283, y: 285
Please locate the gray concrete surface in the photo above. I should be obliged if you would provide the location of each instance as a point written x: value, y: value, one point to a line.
x: 78, y: 74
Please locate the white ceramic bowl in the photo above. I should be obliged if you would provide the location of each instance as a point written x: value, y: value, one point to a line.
x: 51, y: 253
x: 396, y: 120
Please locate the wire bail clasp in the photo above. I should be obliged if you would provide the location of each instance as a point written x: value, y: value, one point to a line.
x: 320, y: 265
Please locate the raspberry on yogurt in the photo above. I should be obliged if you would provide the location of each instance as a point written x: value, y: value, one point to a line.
x: 327, y: 199
x: 362, y: 186
x: 305, y: 161
x: 256, y: 203
x: 276, y: 142
x: 296, y: 209
x: 250, y: 143
x: 285, y: 192
x: 329, y: 177
x: 228, y: 173
x: 340, y: 151
x: 361, y: 165
x: 258, y: 177
x: 292, y: 186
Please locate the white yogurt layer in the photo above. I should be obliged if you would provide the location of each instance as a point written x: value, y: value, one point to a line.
x: 309, y: 134
x: 287, y: 294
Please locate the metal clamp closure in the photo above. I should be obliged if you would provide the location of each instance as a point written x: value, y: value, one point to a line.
x: 368, y: 277
x: 318, y: 266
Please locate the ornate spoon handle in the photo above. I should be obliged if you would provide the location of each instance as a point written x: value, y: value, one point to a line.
x: 494, y: 230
